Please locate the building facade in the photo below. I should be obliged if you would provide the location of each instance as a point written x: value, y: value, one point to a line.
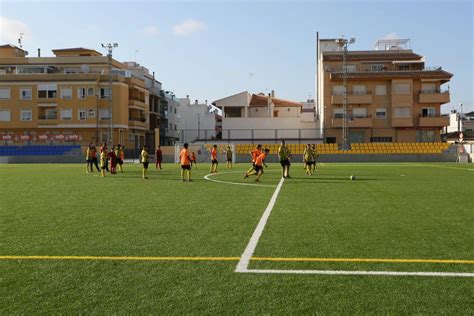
x: 197, y: 121
x: 391, y: 95
x: 65, y: 98
x: 249, y: 117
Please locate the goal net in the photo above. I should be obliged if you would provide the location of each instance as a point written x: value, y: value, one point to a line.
x: 203, y: 152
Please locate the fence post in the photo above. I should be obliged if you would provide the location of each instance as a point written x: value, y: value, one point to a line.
x: 299, y: 136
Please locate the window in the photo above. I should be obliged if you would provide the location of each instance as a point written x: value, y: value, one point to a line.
x: 171, y: 109
x: 81, y: 114
x: 376, y: 67
x: 337, y: 90
x: 175, y: 127
x: 26, y: 115
x: 359, y: 89
x: 66, y: 114
x: 381, y: 113
x: 428, y: 88
x: 51, y: 114
x: 104, y: 114
x: 4, y: 93
x: 81, y: 93
x: 338, y: 113
x: 47, y: 91
x: 404, y: 67
x: 171, y: 126
x: 359, y: 113
x: 91, y: 113
x: 402, y: 112
x: 26, y: 94
x: 66, y: 93
x: 428, y: 112
x: 174, y: 110
x: 425, y: 136
x: 90, y: 92
x: 5, y: 115
x: 402, y: 88
x: 380, y: 89
x: 351, y: 68
x: 104, y: 93
x: 381, y: 139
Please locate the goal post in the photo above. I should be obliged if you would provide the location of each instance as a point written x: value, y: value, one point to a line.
x: 203, y: 151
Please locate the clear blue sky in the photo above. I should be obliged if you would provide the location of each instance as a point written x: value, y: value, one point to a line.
x: 208, y: 48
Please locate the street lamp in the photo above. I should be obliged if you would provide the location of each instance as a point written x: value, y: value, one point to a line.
x: 343, y: 43
x: 110, y: 47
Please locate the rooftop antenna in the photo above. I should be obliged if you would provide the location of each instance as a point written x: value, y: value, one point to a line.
x: 20, y: 38
x: 136, y: 51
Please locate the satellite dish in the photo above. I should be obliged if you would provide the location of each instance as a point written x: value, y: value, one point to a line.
x: 85, y: 69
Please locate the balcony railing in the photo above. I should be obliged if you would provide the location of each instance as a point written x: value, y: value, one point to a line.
x: 47, y: 117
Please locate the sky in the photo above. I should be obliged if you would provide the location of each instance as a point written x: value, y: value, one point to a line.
x: 208, y: 49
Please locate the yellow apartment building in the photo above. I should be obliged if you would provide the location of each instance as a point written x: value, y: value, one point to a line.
x: 65, y: 98
x: 391, y: 95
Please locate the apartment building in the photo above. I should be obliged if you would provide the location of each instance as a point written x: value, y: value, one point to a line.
x: 197, y: 120
x: 250, y: 117
x: 391, y: 95
x: 65, y: 98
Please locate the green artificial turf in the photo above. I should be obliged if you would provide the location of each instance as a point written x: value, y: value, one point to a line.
x: 419, y: 211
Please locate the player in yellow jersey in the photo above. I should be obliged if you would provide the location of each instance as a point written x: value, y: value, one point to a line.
x: 144, y: 159
x: 315, y: 157
x: 89, y: 158
x: 308, y: 159
x: 284, y: 154
x: 103, y: 160
x: 228, y: 154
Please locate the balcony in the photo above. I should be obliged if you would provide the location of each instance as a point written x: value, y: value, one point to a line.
x: 356, y: 122
x: 132, y: 103
x: 137, y: 122
x: 402, y: 122
x: 434, y: 121
x: 353, y: 99
x: 435, y: 97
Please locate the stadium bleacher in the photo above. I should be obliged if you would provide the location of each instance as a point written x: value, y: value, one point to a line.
x: 39, y: 150
x: 356, y: 148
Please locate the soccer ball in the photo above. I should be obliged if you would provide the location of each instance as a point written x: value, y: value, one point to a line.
x: 352, y: 177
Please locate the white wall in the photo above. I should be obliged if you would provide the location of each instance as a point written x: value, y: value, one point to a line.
x: 190, y: 115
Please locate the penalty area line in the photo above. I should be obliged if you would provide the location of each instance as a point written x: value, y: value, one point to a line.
x: 377, y: 273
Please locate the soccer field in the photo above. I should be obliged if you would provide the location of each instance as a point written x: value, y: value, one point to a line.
x: 398, y: 239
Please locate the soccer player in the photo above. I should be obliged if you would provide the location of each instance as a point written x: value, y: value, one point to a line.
x: 228, y: 153
x: 102, y: 148
x: 120, y: 156
x: 185, y: 162
x: 254, y: 154
x: 214, y: 162
x: 308, y: 159
x: 193, y: 160
x: 89, y: 158
x: 284, y: 154
x: 103, y: 160
x: 94, y: 157
x: 315, y: 156
x: 259, y: 163
x: 158, y: 157
x: 144, y: 160
x: 113, y: 160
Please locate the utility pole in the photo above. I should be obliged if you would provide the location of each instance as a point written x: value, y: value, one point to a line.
x: 110, y: 47
x: 343, y: 43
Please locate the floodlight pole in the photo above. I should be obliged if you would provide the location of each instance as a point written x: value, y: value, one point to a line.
x: 110, y: 47
x: 344, y: 43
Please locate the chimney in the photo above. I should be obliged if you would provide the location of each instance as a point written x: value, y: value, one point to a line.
x: 273, y: 93
x: 187, y: 96
x: 195, y: 101
x: 206, y: 102
x: 39, y: 52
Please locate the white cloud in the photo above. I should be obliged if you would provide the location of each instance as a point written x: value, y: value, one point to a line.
x: 188, y: 27
x: 151, y: 30
x: 391, y: 35
x: 10, y: 30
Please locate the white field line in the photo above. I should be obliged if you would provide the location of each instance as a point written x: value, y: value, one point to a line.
x: 242, y: 266
x: 208, y: 177
x: 379, y: 273
x: 244, y: 261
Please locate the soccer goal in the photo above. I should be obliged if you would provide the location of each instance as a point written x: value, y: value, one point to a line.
x: 203, y: 152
